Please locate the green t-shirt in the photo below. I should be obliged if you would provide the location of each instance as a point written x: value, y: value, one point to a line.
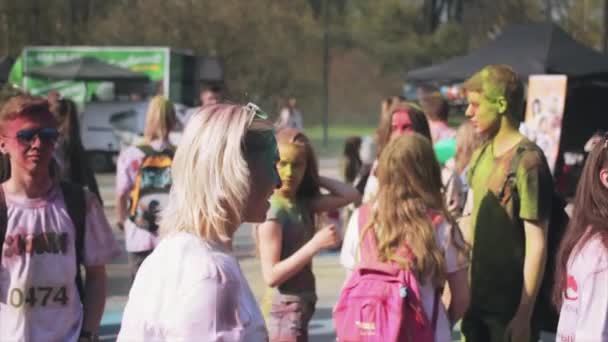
x: 497, y: 223
x: 298, y: 229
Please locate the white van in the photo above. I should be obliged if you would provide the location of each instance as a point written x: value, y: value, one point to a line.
x: 108, y: 127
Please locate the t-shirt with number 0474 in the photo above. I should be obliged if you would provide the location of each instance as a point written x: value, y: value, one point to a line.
x: 39, y: 300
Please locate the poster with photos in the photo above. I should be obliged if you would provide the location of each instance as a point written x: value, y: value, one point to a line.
x: 544, y: 112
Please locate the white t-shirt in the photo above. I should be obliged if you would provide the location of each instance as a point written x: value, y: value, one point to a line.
x: 127, y: 168
x: 290, y: 119
x: 350, y: 255
x: 584, y: 312
x: 39, y: 299
x: 191, y: 290
x: 371, y: 187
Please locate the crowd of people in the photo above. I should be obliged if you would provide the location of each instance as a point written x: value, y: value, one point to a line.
x: 476, y: 239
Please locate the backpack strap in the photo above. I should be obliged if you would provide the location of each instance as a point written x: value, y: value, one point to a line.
x: 473, y: 163
x: 75, y: 203
x: 3, y: 220
x: 5, y: 167
x: 149, y: 151
x: 146, y: 149
x: 511, y: 179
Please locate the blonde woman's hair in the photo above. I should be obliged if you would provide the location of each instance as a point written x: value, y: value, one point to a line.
x: 160, y: 119
x: 211, y: 177
x: 410, y: 184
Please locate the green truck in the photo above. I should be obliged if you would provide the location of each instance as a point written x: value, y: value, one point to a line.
x: 109, y: 110
x: 175, y: 73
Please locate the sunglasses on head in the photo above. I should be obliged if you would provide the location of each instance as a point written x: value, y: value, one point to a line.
x: 46, y: 135
x: 257, y: 112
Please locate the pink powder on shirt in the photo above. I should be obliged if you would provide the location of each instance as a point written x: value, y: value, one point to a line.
x: 37, y: 286
x: 584, y: 312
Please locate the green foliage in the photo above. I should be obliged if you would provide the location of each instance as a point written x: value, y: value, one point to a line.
x: 395, y: 35
x: 583, y: 20
x: 273, y: 49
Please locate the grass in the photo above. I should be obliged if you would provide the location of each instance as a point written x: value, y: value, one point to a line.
x: 337, y: 133
x: 335, y: 137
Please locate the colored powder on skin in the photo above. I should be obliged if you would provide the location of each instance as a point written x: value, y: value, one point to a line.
x: 491, y: 90
x: 292, y: 167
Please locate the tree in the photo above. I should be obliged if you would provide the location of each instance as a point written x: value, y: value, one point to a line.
x: 397, y: 36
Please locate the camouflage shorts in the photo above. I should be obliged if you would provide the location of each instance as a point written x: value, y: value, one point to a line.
x: 288, y: 318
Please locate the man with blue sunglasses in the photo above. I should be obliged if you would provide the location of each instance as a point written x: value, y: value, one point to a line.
x: 48, y: 229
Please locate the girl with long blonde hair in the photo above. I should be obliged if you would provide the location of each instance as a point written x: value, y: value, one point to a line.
x: 413, y: 227
x: 191, y: 288
x: 140, y: 230
x: 289, y: 238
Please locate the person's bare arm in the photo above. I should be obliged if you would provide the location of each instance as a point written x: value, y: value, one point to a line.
x: 121, y: 209
x: 276, y: 271
x: 458, y: 283
x: 340, y: 194
x: 534, y: 269
x: 94, y: 299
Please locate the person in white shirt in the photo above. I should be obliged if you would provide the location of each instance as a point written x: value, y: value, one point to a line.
x: 45, y: 238
x: 413, y: 229
x: 290, y: 116
x: 141, y: 239
x: 191, y: 288
x: 581, y: 289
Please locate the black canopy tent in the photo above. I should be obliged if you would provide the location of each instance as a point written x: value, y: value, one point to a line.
x: 535, y: 48
x: 540, y: 48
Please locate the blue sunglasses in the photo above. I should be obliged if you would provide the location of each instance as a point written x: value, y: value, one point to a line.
x: 46, y: 135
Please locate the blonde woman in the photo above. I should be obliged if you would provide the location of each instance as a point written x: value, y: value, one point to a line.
x: 414, y: 229
x: 191, y: 288
x: 151, y: 160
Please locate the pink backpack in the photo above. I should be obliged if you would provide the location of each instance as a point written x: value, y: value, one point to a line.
x: 381, y: 301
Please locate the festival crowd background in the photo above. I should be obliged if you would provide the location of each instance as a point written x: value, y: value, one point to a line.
x: 479, y: 238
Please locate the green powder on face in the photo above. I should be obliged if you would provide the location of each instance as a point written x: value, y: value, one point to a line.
x: 491, y: 90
